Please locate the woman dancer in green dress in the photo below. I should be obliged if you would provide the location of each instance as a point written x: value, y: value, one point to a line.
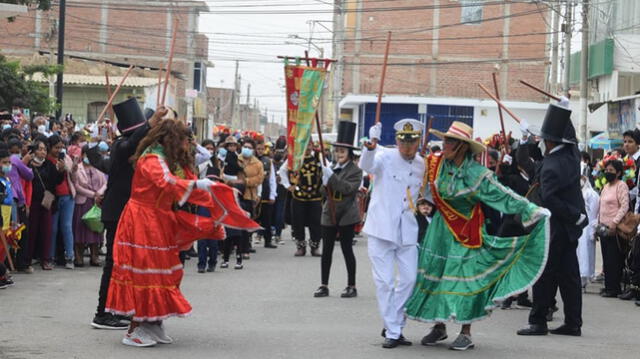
x: 463, y: 271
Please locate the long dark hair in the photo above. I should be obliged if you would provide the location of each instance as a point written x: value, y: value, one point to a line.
x: 170, y: 134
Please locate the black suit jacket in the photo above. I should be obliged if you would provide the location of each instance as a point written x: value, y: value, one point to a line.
x: 560, y: 193
x: 120, y: 171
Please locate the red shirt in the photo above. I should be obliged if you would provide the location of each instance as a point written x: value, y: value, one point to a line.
x: 63, y: 188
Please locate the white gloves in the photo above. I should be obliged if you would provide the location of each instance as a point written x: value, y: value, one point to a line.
x: 507, y: 159
x: 564, y: 102
x: 375, y: 131
x: 327, y: 172
x: 204, y: 184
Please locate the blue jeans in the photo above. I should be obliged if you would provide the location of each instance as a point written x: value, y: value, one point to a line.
x: 63, y: 218
x: 207, y: 248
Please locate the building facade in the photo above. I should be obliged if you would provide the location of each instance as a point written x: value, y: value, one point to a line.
x: 439, y: 50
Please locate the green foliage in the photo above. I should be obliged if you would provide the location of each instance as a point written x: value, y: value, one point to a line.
x: 41, y: 4
x: 16, y: 90
x: 46, y: 70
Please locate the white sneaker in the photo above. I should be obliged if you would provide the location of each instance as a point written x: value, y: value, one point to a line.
x: 138, y: 338
x: 157, y: 333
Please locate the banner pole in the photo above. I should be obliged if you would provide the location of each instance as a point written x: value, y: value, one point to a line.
x: 382, y: 77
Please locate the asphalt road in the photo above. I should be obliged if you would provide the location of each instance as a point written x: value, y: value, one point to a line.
x: 267, y: 310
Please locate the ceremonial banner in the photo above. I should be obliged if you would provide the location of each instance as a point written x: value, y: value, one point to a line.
x: 304, y: 88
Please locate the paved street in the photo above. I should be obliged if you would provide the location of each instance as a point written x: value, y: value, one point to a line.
x: 267, y: 310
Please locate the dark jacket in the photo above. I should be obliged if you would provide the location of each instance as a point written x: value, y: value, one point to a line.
x: 48, y: 175
x: 344, y: 186
x: 560, y: 192
x: 120, y: 171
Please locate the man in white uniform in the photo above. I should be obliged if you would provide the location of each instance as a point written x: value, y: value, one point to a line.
x: 391, y: 226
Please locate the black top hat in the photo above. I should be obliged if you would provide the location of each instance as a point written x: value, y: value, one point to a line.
x: 346, y: 135
x: 557, y: 125
x: 129, y: 115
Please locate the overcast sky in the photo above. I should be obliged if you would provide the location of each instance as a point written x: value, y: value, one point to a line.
x: 260, y: 38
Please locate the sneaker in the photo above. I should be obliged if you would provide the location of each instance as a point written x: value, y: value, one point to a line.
x: 156, y: 332
x: 46, y: 265
x: 224, y: 265
x: 211, y: 268
x: 435, y: 335
x: 200, y: 270
x: 4, y: 284
x: 462, y: 342
x: 68, y: 264
x: 238, y: 266
x: 138, y: 338
x: 108, y: 321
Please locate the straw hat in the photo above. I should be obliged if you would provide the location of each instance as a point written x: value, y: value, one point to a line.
x: 463, y: 132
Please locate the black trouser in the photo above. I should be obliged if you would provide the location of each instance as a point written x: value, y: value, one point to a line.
x: 329, y: 237
x: 634, y: 263
x: 266, y: 210
x: 22, y: 255
x: 110, y: 227
x: 561, y: 271
x: 229, y: 243
x: 612, y: 263
x: 306, y: 213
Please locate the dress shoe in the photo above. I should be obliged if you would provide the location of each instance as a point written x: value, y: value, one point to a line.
x: 349, y: 292
x: 550, y: 313
x: 322, y: 291
x: 270, y: 245
x: 629, y: 294
x: 534, y: 329
x: 392, y: 343
x: 609, y: 294
x: 566, y: 330
x: 401, y: 339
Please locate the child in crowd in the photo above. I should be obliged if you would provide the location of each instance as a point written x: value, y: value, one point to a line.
x: 424, y: 214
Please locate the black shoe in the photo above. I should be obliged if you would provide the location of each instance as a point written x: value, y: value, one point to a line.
x: 200, y: 270
x: 506, y: 304
x: 524, y: 303
x: 192, y: 253
x: 401, y: 340
x: 270, y: 245
x: 211, y: 268
x: 534, y: 329
x: 550, y: 313
x: 609, y: 294
x: 251, y: 250
x: 315, y: 252
x: 349, y: 292
x: 108, y: 321
x: 322, y: 291
x: 392, y: 343
x: 629, y: 294
x: 566, y: 330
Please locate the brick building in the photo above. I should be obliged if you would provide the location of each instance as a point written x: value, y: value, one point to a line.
x: 439, y: 50
x: 121, y: 31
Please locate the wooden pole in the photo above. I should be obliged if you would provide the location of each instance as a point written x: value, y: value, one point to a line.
x: 159, y: 84
x: 170, y: 62
x: 111, y: 113
x: 382, y: 76
x: 115, y: 92
x: 495, y: 86
x: 539, y: 90
x: 500, y: 104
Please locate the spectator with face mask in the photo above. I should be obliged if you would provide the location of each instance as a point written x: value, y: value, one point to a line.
x: 20, y: 172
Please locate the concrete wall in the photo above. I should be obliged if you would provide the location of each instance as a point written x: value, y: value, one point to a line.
x: 76, y: 99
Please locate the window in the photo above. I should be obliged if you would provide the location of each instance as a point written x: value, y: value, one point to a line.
x: 198, y: 75
x: 471, y: 11
x: 93, y: 110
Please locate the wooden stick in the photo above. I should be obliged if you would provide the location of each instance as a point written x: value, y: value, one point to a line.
x: 495, y: 86
x: 382, y: 76
x: 111, y: 113
x: 115, y: 92
x: 6, y: 247
x: 539, y: 90
x: 159, y: 84
x: 500, y: 104
x: 170, y: 62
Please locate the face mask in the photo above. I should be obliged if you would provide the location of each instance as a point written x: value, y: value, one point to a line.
x: 103, y: 147
x: 222, y: 152
x: 543, y: 147
x: 247, y: 152
x: 86, y: 161
x: 38, y: 160
x: 6, y: 169
x: 610, y: 177
x: 82, y: 144
x: 42, y: 129
x: 6, y: 126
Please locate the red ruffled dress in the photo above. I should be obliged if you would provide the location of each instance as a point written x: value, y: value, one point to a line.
x: 147, y: 269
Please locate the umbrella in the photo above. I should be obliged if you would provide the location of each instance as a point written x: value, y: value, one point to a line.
x: 604, y: 142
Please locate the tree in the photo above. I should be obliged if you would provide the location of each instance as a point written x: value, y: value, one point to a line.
x: 17, y: 91
x: 42, y: 4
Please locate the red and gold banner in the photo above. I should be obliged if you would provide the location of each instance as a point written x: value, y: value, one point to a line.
x: 304, y: 88
x: 466, y: 230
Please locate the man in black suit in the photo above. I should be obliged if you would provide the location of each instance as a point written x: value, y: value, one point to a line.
x: 560, y: 193
x: 133, y: 127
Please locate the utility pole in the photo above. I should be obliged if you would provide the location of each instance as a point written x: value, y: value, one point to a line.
x: 236, y: 94
x: 584, y: 72
x: 59, y: 84
x: 567, y: 46
x: 554, y: 48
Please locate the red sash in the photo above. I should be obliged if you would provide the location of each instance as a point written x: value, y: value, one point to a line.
x: 467, y: 231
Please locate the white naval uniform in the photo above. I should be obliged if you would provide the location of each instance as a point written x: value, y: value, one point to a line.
x: 392, y: 230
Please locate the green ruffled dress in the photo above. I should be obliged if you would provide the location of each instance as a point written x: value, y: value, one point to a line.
x: 463, y: 284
